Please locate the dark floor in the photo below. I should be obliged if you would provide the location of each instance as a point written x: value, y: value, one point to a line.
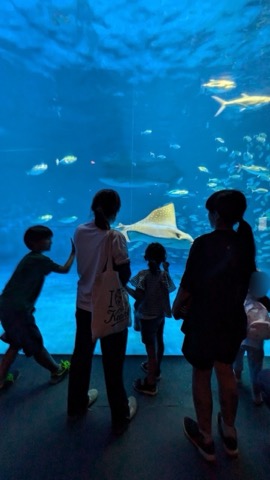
x: 37, y: 442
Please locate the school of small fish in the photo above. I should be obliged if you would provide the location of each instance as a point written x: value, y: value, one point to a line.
x: 41, y: 168
x: 248, y: 165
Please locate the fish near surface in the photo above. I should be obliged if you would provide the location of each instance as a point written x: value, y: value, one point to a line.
x: 159, y: 224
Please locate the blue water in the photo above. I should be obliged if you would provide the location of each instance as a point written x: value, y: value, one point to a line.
x: 126, y: 87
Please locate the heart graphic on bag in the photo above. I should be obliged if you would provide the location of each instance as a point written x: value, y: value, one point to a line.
x: 111, y: 309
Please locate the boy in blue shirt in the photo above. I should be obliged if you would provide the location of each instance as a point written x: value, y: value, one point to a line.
x: 17, y: 306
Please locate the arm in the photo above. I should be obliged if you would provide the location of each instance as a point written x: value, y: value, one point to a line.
x: 120, y: 257
x: 166, y: 266
x: 181, y: 304
x: 138, y: 294
x: 66, y: 267
x: 124, y: 272
x: 169, y: 282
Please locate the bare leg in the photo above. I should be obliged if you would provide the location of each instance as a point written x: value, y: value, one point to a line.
x: 45, y: 359
x: 202, y: 399
x: 228, y: 394
x: 160, y: 346
x: 7, y: 361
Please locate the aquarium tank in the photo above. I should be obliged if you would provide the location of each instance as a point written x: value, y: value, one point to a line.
x: 166, y: 101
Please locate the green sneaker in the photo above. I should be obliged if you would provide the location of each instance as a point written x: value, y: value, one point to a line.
x: 10, y: 379
x: 61, y: 373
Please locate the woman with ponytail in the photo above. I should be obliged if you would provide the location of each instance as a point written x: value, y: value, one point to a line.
x: 216, y: 279
x: 91, y: 246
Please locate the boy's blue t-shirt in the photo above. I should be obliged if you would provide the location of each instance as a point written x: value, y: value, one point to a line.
x: 25, y: 284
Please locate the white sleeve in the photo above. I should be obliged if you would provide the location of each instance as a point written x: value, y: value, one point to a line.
x: 119, y: 248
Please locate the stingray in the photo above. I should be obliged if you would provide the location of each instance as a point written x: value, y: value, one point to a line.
x: 159, y: 225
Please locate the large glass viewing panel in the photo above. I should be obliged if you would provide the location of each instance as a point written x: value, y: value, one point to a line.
x: 165, y: 101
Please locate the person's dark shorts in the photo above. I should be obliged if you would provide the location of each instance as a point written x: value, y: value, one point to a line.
x: 150, y: 328
x: 202, y: 351
x: 21, y: 332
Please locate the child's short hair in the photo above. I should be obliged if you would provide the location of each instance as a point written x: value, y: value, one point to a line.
x: 35, y: 234
x: 156, y: 252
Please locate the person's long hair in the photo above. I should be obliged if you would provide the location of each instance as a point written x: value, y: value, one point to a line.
x: 105, y: 206
x: 231, y: 206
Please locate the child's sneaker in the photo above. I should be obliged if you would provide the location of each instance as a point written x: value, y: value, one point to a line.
x: 11, y: 377
x: 144, y: 367
x: 61, y: 372
x: 142, y: 386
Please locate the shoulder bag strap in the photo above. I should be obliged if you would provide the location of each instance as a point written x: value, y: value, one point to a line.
x: 109, y: 251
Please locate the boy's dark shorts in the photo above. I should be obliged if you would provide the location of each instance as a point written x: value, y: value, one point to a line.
x: 21, y: 332
x: 150, y: 328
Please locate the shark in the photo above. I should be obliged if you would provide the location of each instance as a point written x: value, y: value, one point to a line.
x: 243, y: 102
x: 160, y: 224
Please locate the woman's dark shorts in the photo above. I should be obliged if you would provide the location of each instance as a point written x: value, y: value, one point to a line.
x: 203, y: 351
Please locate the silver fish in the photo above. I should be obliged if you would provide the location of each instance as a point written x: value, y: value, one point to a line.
x: 45, y: 218
x: 67, y: 220
x: 177, y: 192
x: 146, y: 132
x: 243, y: 102
x: 67, y: 160
x: 38, y: 169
